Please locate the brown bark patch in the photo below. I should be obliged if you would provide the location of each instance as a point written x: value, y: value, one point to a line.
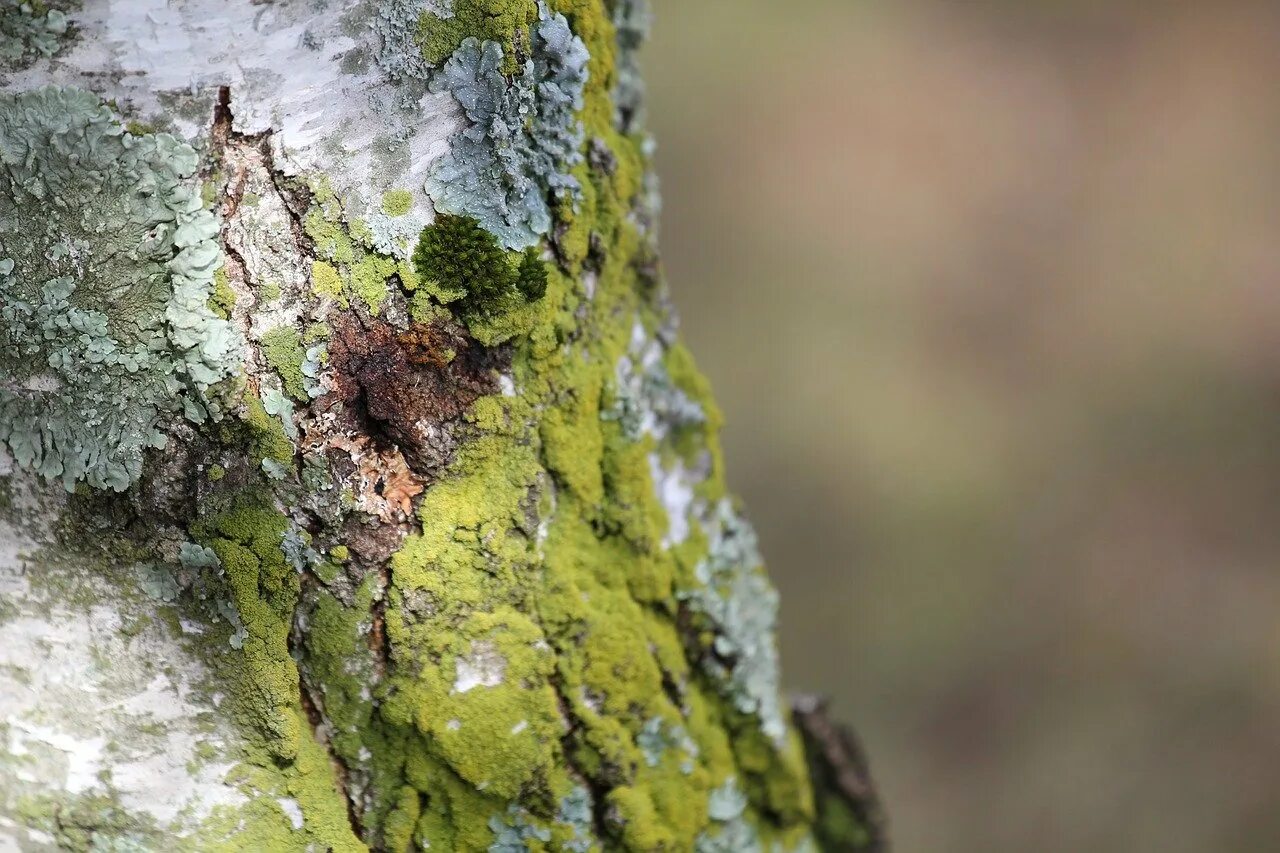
x: 410, y: 388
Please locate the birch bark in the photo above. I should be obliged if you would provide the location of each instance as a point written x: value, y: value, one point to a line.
x: 356, y: 491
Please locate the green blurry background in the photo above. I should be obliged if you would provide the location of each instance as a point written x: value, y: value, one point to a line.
x: 989, y: 294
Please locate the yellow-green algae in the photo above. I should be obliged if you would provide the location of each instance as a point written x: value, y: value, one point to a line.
x: 503, y: 21
x: 282, y: 348
x: 523, y: 671
x: 397, y: 202
x: 542, y: 552
x: 347, y: 265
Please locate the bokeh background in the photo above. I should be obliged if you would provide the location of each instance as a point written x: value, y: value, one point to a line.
x: 990, y: 294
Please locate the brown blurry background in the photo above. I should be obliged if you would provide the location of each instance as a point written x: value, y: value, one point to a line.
x: 990, y: 294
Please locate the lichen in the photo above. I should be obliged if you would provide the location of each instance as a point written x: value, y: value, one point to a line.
x: 282, y: 348
x: 646, y: 399
x: 470, y: 571
x: 736, y: 596
x: 107, y: 262
x: 90, y: 823
x: 396, y: 203
x: 523, y: 137
x: 632, y: 19
x: 32, y: 29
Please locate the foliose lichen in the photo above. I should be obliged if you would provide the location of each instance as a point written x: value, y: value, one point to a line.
x: 107, y: 262
x: 523, y: 137
x: 632, y: 19
x: 646, y: 400
x: 31, y: 29
x: 736, y: 595
x: 547, y: 642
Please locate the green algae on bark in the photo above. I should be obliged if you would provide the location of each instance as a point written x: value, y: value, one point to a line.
x: 463, y: 558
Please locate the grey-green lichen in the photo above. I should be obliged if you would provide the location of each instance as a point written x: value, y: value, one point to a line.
x: 547, y: 645
x: 632, y: 19
x: 523, y: 137
x: 646, y: 400
x: 396, y: 25
x: 734, y: 832
x: 31, y: 29
x: 107, y: 258
x: 735, y: 594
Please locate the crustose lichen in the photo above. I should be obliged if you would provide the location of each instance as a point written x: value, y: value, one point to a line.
x: 107, y: 258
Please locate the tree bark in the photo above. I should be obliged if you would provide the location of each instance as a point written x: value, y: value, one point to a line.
x: 356, y: 491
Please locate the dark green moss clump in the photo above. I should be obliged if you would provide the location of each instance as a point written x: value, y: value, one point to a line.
x: 463, y: 265
x: 531, y: 280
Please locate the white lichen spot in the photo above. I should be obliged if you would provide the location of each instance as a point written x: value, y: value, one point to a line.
x: 484, y: 667
x: 675, y: 489
x: 293, y: 811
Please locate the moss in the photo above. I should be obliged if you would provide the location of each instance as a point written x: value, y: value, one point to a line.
x: 531, y: 277
x: 461, y: 265
x: 223, y: 298
x: 503, y: 21
x: 458, y: 260
x: 282, y: 348
x: 536, y: 670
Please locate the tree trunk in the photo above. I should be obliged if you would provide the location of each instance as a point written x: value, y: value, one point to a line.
x: 355, y: 489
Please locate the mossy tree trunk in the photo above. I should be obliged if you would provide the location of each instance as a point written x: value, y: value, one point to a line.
x: 356, y: 491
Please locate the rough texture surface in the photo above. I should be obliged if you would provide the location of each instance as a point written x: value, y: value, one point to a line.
x: 107, y: 258
x: 431, y: 548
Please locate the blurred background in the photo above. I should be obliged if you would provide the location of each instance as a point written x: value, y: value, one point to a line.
x: 990, y: 294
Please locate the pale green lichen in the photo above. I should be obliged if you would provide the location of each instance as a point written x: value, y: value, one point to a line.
x: 632, y: 19
x: 396, y: 23
x: 524, y: 136
x: 32, y: 29
x: 282, y: 348
x: 646, y: 399
x: 90, y: 822
x: 396, y: 203
x: 522, y: 673
x: 736, y: 596
x: 107, y: 261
